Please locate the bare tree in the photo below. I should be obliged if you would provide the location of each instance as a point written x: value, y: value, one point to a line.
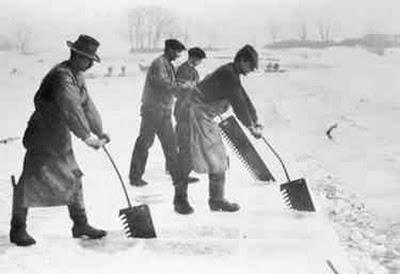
x: 136, y: 25
x: 273, y: 31
x: 321, y: 31
x: 150, y: 13
x: 166, y: 25
x: 131, y: 30
x: 23, y: 36
x: 303, y: 31
x: 325, y: 30
x: 149, y: 24
x: 328, y: 32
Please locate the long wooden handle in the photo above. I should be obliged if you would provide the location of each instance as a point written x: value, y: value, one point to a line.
x: 277, y: 156
x: 119, y: 175
x: 13, y: 183
x: 329, y: 263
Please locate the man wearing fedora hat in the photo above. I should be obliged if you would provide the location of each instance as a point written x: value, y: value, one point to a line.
x: 51, y: 175
x: 156, y: 110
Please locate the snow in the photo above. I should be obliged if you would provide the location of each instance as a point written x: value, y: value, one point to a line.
x: 353, y: 177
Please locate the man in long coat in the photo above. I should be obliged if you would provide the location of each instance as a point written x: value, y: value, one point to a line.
x: 187, y: 72
x: 156, y: 110
x: 51, y: 175
x: 202, y: 149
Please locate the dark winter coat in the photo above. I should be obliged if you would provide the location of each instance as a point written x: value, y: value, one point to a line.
x: 51, y: 175
x: 219, y: 90
x: 185, y: 73
x: 225, y: 84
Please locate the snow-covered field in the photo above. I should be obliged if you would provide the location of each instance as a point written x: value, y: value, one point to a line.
x: 353, y: 176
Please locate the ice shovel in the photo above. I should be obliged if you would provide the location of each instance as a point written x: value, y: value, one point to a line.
x: 136, y: 220
x: 295, y: 193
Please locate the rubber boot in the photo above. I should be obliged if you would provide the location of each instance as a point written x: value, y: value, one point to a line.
x: 181, y: 203
x: 217, y: 201
x: 81, y: 228
x: 18, y: 233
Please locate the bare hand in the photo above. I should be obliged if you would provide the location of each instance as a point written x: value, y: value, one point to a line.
x: 261, y: 127
x: 94, y: 142
x: 256, y: 131
x: 105, y: 137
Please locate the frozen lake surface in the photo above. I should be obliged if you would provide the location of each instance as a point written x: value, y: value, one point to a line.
x: 354, y: 176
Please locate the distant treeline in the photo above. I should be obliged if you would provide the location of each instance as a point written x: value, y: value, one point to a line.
x: 369, y: 40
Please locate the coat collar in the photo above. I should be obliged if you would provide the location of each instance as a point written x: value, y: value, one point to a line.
x: 236, y: 68
x: 164, y: 56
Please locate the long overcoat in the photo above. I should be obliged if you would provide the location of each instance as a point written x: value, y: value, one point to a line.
x: 203, y: 148
x: 51, y: 175
x: 185, y: 73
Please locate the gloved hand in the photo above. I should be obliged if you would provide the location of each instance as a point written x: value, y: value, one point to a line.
x: 94, y: 142
x: 105, y: 137
x: 256, y: 131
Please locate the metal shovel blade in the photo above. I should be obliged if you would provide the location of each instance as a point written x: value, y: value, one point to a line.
x: 297, y: 196
x: 137, y: 222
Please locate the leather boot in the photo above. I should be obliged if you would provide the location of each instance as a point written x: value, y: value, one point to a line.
x: 181, y: 203
x: 18, y: 233
x: 217, y: 201
x: 81, y: 228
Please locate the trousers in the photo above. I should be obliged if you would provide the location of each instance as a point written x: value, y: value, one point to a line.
x: 154, y: 122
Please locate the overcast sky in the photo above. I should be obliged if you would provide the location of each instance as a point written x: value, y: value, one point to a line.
x: 232, y: 21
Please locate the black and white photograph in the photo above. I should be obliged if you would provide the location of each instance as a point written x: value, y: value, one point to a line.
x: 199, y: 137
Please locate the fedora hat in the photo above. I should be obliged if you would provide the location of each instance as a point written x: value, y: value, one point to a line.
x: 86, y: 46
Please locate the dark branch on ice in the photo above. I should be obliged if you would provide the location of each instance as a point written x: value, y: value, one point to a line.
x: 328, y: 132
